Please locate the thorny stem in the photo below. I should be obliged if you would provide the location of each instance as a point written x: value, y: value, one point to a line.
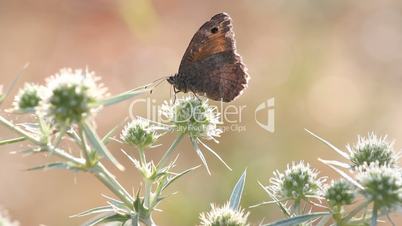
x: 147, y: 181
x: 374, y: 215
x: 110, y: 182
x: 59, y: 137
x: 353, y: 212
x: 84, y: 146
x: 142, y: 157
x: 148, y: 203
x: 336, y: 214
x: 149, y: 222
x: 296, y: 206
x: 158, y: 191
x: 148, y: 191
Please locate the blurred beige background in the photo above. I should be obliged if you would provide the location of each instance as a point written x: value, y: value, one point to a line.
x: 333, y: 66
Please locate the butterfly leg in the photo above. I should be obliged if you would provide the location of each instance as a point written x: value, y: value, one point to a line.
x: 195, y: 94
x: 175, y: 92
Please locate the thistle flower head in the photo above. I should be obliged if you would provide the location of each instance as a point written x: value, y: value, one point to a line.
x: 372, y: 149
x: 299, y: 181
x: 72, y: 96
x: 340, y: 193
x: 224, y: 216
x: 193, y: 117
x: 28, y: 98
x: 382, y: 185
x: 140, y: 132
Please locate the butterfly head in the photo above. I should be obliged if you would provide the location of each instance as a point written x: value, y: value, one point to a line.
x: 172, y: 79
x: 178, y: 82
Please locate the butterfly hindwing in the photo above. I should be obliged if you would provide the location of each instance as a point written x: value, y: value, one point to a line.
x: 221, y: 76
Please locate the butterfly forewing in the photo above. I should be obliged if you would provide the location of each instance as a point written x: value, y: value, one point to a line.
x: 214, y: 36
x: 210, y: 64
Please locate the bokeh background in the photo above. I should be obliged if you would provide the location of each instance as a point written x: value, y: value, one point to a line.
x: 333, y: 66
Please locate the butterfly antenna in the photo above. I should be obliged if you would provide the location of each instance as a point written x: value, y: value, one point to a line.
x: 156, y: 82
x: 159, y: 81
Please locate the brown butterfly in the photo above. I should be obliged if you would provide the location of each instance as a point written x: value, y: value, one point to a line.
x: 210, y: 65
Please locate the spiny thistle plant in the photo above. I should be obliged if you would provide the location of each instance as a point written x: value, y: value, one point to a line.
x: 62, y: 116
x: 63, y: 110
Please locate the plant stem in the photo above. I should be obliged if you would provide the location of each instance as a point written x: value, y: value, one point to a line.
x: 13, y: 140
x: 110, y: 182
x: 147, y: 181
x: 147, y: 194
x: 59, y: 137
x: 374, y: 215
x: 148, y: 222
x: 143, y: 160
x: 84, y: 145
x: 103, y: 174
x: 356, y: 210
x: 296, y: 207
x: 168, y: 152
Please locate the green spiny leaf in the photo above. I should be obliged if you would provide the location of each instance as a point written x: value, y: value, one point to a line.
x: 107, y: 138
x: 298, y: 219
x: 177, y: 176
x: 200, y: 154
x: 235, y: 197
x: 99, y: 146
x: 126, y: 95
x: 56, y: 165
x: 96, y: 210
x: 107, y: 219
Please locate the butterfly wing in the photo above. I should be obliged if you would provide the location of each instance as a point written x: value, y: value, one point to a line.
x: 211, y: 65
